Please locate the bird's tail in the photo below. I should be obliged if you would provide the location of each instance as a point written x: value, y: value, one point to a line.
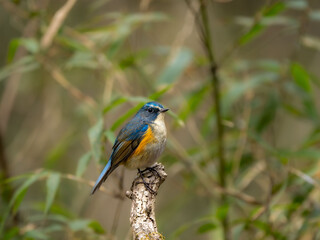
x: 103, y: 176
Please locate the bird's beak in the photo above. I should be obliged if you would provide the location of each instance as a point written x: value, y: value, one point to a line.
x: 164, y: 110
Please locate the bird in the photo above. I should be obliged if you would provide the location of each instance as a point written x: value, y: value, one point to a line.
x: 139, y: 143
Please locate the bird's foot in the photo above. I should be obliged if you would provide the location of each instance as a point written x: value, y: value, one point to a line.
x: 151, y: 169
x: 147, y: 185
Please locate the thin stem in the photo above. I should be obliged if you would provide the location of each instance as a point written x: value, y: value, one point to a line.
x: 206, y: 37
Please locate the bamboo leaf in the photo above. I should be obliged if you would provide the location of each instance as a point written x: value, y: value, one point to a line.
x: 252, y: 33
x: 110, y: 136
x: 194, y: 100
x: 83, y: 164
x: 95, y: 134
x: 206, y: 228
x: 314, y: 15
x: 175, y: 67
x: 21, y: 191
x: 13, y: 46
x: 301, y: 77
x: 53, y: 182
x: 18, y: 197
x: 259, y: 26
x: 268, y: 113
x: 23, y: 65
x: 96, y: 227
x: 297, y: 4
x: 125, y: 116
x: 274, y: 9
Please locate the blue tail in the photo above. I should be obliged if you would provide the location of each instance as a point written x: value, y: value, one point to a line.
x: 103, y: 176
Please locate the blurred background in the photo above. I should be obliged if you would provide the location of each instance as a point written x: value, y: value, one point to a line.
x: 242, y: 156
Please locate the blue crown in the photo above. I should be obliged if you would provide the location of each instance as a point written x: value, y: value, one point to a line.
x: 153, y: 104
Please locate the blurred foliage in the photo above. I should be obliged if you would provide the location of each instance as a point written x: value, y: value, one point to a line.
x: 63, y: 102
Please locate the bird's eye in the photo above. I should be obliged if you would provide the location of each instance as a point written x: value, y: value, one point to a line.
x: 150, y: 110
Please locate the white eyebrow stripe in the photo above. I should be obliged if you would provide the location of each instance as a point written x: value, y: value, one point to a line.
x: 155, y: 106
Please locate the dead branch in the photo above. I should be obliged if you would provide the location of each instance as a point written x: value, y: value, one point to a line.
x: 142, y: 219
x: 56, y: 23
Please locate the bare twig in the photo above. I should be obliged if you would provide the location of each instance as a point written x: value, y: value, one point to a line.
x: 91, y: 184
x: 57, y: 75
x: 56, y: 23
x: 142, y: 217
x: 212, y: 187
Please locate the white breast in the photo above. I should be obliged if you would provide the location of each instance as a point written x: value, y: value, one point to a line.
x: 159, y: 128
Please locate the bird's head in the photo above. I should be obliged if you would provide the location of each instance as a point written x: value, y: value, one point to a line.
x: 152, y: 111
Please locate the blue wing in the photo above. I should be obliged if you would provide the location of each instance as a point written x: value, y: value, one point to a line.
x: 126, y: 143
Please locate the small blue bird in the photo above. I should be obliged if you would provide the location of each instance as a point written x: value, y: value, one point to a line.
x: 139, y: 143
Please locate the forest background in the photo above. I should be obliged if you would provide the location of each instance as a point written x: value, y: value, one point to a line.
x: 241, y: 78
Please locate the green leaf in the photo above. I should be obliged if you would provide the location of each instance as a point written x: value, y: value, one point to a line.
x: 301, y: 77
x: 160, y: 92
x: 313, y: 139
x: 180, y: 230
x: 257, y: 27
x: 13, y: 46
x: 222, y: 211
x: 84, y: 59
x: 297, y: 4
x: 20, y: 192
x: 314, y: 15
x: 206, y: 228
x: 238, y: 89
x: 178, y: 120
x: 11, y: 233
x: 268, y: 113
x: 274, y: 9
x: 83, y: 164
x: 95, y: 134
x: 252, y: 33
x: 293, y: 110
x: 70, y: 43
x: 23, y: 65
x: 110, y: 136
x: 18, y: 197
x: 310, y: 108
x: 35, y: 234
x: 310, y: 153
x: 96, y: 227
x: 114, y: 103
x: 30, y: 44
x: 53, y: 182
x: 175, y: 67
x: 78, y: 225
x: 194, y: 100
x: 114, y: 48
x: 121, y: 27
x: 58, y: 151
x: 125, y: 116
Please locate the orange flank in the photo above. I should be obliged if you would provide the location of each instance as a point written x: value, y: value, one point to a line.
x: 147, y: 138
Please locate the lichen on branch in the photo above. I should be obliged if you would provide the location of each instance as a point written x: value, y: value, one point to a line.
x: 142, y: 218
